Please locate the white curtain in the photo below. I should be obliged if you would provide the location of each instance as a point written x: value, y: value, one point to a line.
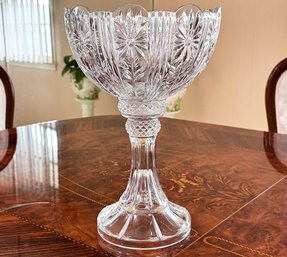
x: 26, y: 31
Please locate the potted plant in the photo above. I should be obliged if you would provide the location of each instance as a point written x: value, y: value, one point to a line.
x: 173, y: 104
x: 86, y: 92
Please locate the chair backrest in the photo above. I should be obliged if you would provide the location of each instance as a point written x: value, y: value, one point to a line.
x: 276, y: 98
x: 7, y: 102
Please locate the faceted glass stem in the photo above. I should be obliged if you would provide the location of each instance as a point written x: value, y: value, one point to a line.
x: 144, y: 191
x: 143, y: 218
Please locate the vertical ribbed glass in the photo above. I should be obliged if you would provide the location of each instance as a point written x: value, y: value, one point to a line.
x: 142, y: 58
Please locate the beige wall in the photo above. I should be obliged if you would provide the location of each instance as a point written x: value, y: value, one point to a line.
x: 252, y: 40
x: 43, y: 95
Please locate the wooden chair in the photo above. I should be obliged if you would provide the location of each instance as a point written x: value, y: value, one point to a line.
x: 8, y: 139
x: 275, y: 150
x: 9, y: 98
x: 276, y: 98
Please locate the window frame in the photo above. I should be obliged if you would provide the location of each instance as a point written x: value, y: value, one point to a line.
x: 42, y: 66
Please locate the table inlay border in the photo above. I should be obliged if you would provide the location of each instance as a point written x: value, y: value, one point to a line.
x: 205, y: 240
x: 227, y: 218
x: 26, y: 220
x: 194, y: 233
x: 88, y: 189
x: 82, y: 196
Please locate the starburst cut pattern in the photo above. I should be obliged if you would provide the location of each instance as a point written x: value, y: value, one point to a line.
x: 187, y: 40
x: 131, y: 36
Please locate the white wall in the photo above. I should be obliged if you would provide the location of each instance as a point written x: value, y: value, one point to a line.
x: 253, y: 39
x: 44, y: 95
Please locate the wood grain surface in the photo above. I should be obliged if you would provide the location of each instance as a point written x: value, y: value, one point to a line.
x: 55, y: 178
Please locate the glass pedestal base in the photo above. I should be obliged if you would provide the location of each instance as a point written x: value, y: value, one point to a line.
x: 143, y: 218
x: 142, y: 229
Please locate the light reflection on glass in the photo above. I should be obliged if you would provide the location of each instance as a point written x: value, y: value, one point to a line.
x: 32, y: 175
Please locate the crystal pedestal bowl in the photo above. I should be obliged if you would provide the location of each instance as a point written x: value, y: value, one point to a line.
x: 142, y: 58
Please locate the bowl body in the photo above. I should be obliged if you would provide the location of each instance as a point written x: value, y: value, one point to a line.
x: 138, y: 55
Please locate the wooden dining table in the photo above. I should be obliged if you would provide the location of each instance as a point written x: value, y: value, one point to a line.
x: 56, y: 177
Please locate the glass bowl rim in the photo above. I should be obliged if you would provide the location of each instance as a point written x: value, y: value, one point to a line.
x: 125, y: 6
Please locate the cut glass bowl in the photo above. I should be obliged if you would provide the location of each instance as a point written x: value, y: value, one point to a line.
x: 142, y: 58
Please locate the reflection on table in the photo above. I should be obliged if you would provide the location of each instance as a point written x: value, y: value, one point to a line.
x: 32, y: 176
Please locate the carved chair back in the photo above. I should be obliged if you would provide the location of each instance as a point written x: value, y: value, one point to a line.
x: 7, y: 100
x: 276, y: 98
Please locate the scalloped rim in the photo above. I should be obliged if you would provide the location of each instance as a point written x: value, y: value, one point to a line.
x: 88, y: 11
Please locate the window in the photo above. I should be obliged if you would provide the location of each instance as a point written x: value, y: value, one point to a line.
x: 26, y: 31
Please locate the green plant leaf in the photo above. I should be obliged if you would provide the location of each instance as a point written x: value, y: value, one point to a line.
x: 73, y: 63
x: 65, y: 70
x: 67, y: 58
x: 72, y: 67
x: 79, y: 75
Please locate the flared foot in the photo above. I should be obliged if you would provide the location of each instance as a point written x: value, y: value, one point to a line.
x: 144, y: 230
